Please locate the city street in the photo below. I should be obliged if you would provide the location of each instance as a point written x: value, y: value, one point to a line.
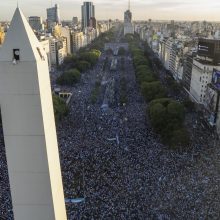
x: 121, y: 98
x: 113, y: 164
x: 115, y: 161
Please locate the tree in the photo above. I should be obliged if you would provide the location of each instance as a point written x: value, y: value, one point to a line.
x: 136, y: 52
x: 142, y: 68
x: 189, y: 105
x: 144, y: 76
x: 60, y: 108
x: 153, y: 90
x: 175, y: 111
x: 164, y: 101
x: 180, y: 138
x: 69, y: 77
x: 121, y: 51
x: 96, y: 52
x: 82, y: 65
x: 167, y: 117
x: 140, y: 60
x: 158, y: 118
x: 91, y: 57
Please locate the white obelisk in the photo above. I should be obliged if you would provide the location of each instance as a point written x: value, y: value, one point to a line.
x: 29, y: 127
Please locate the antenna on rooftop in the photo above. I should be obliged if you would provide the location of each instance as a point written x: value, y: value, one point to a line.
x: 129, y: 5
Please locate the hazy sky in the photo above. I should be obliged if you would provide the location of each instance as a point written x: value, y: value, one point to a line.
x: 142, y: 9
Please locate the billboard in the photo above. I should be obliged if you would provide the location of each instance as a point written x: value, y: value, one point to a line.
x: 206, y: 48
x: 216, y: 79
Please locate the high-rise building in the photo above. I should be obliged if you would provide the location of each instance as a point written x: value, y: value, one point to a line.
x: 29, y: 126
x: 92, y: 23
x: 88, y: 11
x: 212, y: 101
x: 78, y: 40
x: 36, y: 23
x: 75, y: 21
x: 53, y: 16
x: 172, y: 26
x: 65, y: 33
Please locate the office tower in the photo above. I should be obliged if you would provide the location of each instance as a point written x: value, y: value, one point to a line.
x: 172, y: 28
x: 92, y: 23
x: 75, y: 21
x: 88, y: 11
x: 36, y: 23
x: 29, y: 127
x: 53, y: 16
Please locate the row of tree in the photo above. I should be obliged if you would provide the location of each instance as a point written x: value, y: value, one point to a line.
x: 85, y: 59
x: 60, y: 108
x: 167, y: 116
x: 76, y: 64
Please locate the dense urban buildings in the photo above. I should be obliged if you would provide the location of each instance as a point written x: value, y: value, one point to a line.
x: 136, y: 106
x: 190, y: 51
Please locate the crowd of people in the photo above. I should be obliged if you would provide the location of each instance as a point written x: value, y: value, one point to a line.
x: 114, y: 163
x: 135, y: 177
x: 6, y: 212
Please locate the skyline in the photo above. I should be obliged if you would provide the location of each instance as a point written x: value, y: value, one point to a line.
x: 105, y: 9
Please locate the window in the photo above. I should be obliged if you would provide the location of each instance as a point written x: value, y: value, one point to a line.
x: 16, y: 54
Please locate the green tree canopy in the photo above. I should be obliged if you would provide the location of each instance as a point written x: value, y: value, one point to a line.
x: 60, y: 107
x: 82, y: 65
x: 69, y: 77
x: 144, y: 76
x: 158, y: 116
x: 143, y: 68
x: 121, y: 51
x: 91, y: 57
x: 153, y: 90
x: 167, y: 117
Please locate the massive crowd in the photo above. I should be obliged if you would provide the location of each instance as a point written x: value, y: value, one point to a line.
x: 113, y: 159
x: 135, y: 177
x: 5, y: 195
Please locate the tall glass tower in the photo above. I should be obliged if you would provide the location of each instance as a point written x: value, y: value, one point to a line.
x: 53, y: 16
x: 88, y: 12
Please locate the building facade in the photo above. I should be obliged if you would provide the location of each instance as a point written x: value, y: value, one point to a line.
x: 36, y: 23
x: 88, y: 12
x: 53, y: 16
x: 128, y: 26
x: 75, y: 21
x: 2, y: 35
x: 201, y: 76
